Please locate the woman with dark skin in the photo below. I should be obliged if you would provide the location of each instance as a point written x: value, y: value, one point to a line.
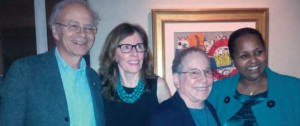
x: 256, y: 95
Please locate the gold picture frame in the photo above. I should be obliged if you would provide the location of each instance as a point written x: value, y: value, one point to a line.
x: 161, y: 18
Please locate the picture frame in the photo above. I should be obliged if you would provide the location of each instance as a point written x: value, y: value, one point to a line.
x: 166, y: 23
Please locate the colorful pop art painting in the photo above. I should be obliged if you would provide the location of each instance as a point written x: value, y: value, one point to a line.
x: 214, y: 44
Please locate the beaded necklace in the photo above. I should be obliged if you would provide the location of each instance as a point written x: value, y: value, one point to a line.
x: 132, y: 97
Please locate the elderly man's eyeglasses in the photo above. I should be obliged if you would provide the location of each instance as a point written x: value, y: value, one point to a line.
x: 195, y: 74
x: 76, y: 28
x: 127, y: 48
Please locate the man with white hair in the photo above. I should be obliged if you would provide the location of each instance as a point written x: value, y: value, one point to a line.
x: 57, y: 88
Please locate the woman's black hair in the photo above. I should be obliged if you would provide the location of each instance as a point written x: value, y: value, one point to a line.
x: 242, y: 32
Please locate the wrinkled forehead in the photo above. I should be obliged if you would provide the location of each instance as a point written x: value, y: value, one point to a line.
x: 195, y: 60
x: 75, y: 12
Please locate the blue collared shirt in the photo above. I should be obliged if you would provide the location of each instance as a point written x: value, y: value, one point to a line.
x: 78, y: 94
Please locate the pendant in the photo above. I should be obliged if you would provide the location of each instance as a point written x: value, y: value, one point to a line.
x: 251, y: 93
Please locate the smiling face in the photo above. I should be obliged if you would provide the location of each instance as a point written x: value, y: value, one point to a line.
x: 130, y: 62
x: 250, y: 57
x: 193, y: 91
x: 70, y: 43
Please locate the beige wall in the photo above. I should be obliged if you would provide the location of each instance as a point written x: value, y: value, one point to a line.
x: 284, y: 27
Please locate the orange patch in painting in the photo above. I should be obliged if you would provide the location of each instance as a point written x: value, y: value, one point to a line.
x: 196, y: 40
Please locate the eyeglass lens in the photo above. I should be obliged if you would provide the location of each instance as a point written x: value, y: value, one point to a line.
x: 197, y: 73
x: 127, y: 48
x: 77, y: 28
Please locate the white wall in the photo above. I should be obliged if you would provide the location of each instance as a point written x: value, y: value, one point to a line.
x: 284, y: 19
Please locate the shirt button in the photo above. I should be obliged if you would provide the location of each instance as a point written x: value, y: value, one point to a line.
x: 226, y: 99
x: 67, y: 119
x: 271, y: 104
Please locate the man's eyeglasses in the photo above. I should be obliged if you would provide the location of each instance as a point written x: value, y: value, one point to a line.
x: 195, y: 74
x: 127, y: 48
x: 76, y: 28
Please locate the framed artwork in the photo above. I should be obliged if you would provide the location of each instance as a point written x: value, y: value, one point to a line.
x: 209, y: 29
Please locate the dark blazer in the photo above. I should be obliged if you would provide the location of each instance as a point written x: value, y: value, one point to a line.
x: 174, y: 112
x: 0, y: 88
x: 33, y: 94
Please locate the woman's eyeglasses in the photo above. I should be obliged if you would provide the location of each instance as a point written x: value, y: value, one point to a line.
x: 127, y: 48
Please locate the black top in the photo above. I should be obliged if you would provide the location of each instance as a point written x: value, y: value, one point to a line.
x: 118, y: 113
x: 245, y: 116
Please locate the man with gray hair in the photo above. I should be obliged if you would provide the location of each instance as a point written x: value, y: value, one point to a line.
x: 193, y: 79
x: 57, y: 88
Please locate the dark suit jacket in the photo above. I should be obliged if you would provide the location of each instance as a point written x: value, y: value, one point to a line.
x: 33, y: 94
x: 174, y: 112
x: 0, y: 89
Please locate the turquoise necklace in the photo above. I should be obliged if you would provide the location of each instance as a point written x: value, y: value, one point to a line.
x: 132, y: 97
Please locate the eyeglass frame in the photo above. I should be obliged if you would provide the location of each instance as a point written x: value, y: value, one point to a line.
x: 198, y: 73
x: 77, y: 28
x: 132, y: 46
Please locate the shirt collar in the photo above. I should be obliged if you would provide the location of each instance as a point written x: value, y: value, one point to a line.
x: 64, y: 65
